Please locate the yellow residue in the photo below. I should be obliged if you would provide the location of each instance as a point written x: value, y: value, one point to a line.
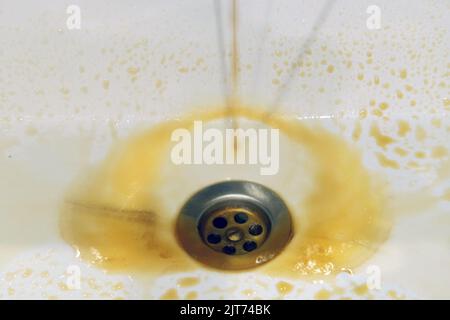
x: 377, y: 112
x: 284, y: 287
x: 170, y: 294
x: 183, y: 70
x: 399, y: 94
x: 446, y: 102
x: 27, y: 272
x: 132, y: 71
x: 383, y: 106
x: 436, y: 123
x: 363, y: 114
x: 386, y: 162
x: 381, y: 139
x: 376, y: 80
x: 64, y: 91
x: 394, y: 295
x: 439, y: 152
x: 330, y: 69
x: 357, y: 131
x: 93, y: 284
x: 361, y: 290
x: 420, y: 154
x: 188, y: 282
x: 199, y: 61
x: 322, y: 294
x: 413, y: 165
x: 403, y: 128
x: 421, y: 134
x: 403, y: 74
x: 105, y: 84
x: 191, y: 295
x: 446, y: 195
x: 117, y: 286
x: 401, y: 152
x: 63, y: 286
x: 31, y: 131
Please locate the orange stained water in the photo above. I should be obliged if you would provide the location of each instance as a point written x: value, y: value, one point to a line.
x: 234, y: 95
x: 115, y: 219
x: 381, y: 139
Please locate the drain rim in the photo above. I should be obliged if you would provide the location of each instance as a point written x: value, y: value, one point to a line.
x: 224, y: 194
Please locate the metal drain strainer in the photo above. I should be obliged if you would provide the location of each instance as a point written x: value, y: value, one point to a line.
x: 234, y: 225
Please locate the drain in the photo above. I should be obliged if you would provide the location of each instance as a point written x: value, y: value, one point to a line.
x: 231, y: 226
x: 234, y: 225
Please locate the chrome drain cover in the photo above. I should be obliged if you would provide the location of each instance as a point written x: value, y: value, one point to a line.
x: 234, y: 225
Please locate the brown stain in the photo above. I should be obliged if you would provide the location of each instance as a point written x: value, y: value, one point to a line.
x: 191, y: 295
x: 188, y: 282
x: 420, y: 155
x: 357, y: 131
x: 322, y: 294
x: 437, y: 123
x: 234, y: 51
x: 381, y: 139
x: 383, y: 106
x: 403, y: 128
x: 361, y: 290
x: 403, y: 74
x: 116, y: 221
x: 401, y: 152
x: 439, y: 152
x: 105, y: 84
x: 233, y: 98
x: 170, y: 294
x: 284, y: 287
x: 330, y: 69
x: 420, y: 133
x: 386, y: 162
x: 394, y: 295
x: 446, y: 195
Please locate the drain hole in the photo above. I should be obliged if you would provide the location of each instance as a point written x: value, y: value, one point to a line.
x: 249, y: 246
x: 243, y: 224
x: 240, y: 217
x: 220, y: 222
x: 255, y: 230
x: 234, y: 234
x: 214, y: 238
x: 229, y: 250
